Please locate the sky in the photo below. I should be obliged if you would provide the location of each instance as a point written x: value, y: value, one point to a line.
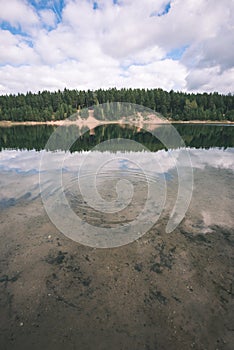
x: 184, y: 45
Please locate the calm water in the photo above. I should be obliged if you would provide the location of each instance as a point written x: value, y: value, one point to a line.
x: 194, y: 136
x: 108, y: 193
x: 92, y: 166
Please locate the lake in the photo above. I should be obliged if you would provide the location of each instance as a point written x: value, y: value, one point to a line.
x: 163, y: 213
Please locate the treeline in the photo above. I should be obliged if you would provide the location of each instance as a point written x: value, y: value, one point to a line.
x: 46, y: 105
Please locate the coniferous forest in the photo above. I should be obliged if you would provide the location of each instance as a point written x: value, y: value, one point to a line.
x: 46, y: 105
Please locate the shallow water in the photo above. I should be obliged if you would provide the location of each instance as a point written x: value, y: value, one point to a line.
x: 163, y: 290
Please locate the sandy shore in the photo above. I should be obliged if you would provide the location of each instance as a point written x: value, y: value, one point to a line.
x: 201, y: 122
x: 92, y: 122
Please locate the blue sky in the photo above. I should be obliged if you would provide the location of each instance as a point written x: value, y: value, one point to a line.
x: 84, y: 44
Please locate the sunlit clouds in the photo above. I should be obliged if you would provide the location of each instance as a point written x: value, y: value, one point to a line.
x: 183, y: 45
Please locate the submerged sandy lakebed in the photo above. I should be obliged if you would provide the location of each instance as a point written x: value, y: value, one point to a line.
x: 163, y: 291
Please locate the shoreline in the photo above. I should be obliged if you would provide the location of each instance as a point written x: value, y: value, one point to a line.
x: 96, y: 122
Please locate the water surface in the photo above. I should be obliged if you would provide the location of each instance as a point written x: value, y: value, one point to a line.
x: 165, y: 291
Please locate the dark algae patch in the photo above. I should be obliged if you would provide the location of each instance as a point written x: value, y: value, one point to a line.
x: 56, y: 258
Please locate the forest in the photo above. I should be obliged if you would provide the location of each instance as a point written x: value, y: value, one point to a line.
x: 59, y: 105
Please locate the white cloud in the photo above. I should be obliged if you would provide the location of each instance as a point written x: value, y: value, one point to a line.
x: 167, y: 74
x: 118, y: 45
x: 18, y: 13
x: 146, y: 56
x: 16, y: 50
x: 48, y: 17
x: 211, y: 79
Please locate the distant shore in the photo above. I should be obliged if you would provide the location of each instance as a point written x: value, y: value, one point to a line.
x: 201, y: 122
x: 95, y: 122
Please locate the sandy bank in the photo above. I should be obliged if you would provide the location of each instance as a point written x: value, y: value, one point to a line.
x: 92, y: 122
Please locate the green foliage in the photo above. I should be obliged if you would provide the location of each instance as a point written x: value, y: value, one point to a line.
x: 46, y: 105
